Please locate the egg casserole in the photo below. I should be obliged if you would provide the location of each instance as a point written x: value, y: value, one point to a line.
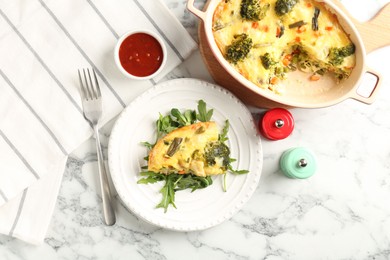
x: 190, y: 150
x: 266, y: 39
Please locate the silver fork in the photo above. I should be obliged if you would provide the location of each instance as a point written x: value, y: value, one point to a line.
x: 92, y: 107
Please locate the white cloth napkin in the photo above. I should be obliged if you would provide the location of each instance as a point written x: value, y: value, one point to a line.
x: 42, y: 44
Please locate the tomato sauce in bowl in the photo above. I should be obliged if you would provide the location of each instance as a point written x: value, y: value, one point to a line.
x: 140, y: 55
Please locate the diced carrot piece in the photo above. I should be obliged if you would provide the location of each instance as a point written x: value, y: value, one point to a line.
x: 181, y: 172
x: 287, y: 60
x: 265, y: 28
x: 255, y: 25
x: 218, y: 11
x: 225, y: 7
x: 329, y: 28
x: 274, y: 80
x: 298, y: 39
x: 309, y: 5
x: 301, y: 29
x: 315, y: 77
x: 278, y: 31
x: 243, y: 73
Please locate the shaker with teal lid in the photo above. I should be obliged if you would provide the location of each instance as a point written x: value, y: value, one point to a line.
x: 298, y: 163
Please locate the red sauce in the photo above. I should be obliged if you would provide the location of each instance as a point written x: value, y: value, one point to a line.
x: 140, y: 54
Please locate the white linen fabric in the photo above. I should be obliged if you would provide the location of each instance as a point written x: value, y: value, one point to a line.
x: 42, y: 44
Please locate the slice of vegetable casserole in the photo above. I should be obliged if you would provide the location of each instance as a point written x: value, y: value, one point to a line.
x: 190, y: 149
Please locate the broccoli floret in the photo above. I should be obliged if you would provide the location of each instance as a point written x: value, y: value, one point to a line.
x: 334, y: 57
x: 284, y: 6
x: 267, y: 61
x: 348, y: 50
x: 216, y: 150
x: 252, y: 10
x: 337, y: 55
x: 239, y: 49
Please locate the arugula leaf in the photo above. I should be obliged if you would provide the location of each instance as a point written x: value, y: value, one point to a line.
x: 204, y: 115
x: 238, y: 172
x: 224, y: 188
x: 168, y: 194
x: 187, y: 118
x: 193, y: 182
x: 151, y: 177
x: 223, y: 136
x: 165, y: 125
x: 176, y: 119
x: 174, y: 182
x: 190, y: 115
x: 147, y: 145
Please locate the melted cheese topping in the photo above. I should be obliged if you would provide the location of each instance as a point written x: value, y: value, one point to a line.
x: 227, y: 23
x: 189, y: 156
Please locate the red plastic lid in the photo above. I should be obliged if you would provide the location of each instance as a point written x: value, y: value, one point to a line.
x: 276, y: 124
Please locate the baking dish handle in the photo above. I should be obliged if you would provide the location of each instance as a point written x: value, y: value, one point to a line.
x: 367, y: 94
x: 191, y: 7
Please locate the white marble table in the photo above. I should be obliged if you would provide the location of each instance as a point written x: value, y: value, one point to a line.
x: 342, y: 212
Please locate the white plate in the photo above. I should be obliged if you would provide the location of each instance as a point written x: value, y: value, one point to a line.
x: 202, y: 208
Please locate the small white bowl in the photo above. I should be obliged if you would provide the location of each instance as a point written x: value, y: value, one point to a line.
x: 119, y: 64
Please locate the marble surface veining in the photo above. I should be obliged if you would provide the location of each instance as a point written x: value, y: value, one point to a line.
x: 342, y: 212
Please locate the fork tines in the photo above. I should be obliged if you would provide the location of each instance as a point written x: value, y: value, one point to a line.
x: 90, y: 88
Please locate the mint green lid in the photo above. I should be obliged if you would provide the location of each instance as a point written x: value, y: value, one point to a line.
x: 298, y: 163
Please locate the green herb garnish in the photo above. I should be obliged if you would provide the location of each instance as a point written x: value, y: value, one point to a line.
x: 223, y: 136
x: 174, y: 182
x: 165, y: 125
x: 203, y: 115
x: 183, y: 119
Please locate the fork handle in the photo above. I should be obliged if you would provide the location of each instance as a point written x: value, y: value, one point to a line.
x: 108, y: 210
